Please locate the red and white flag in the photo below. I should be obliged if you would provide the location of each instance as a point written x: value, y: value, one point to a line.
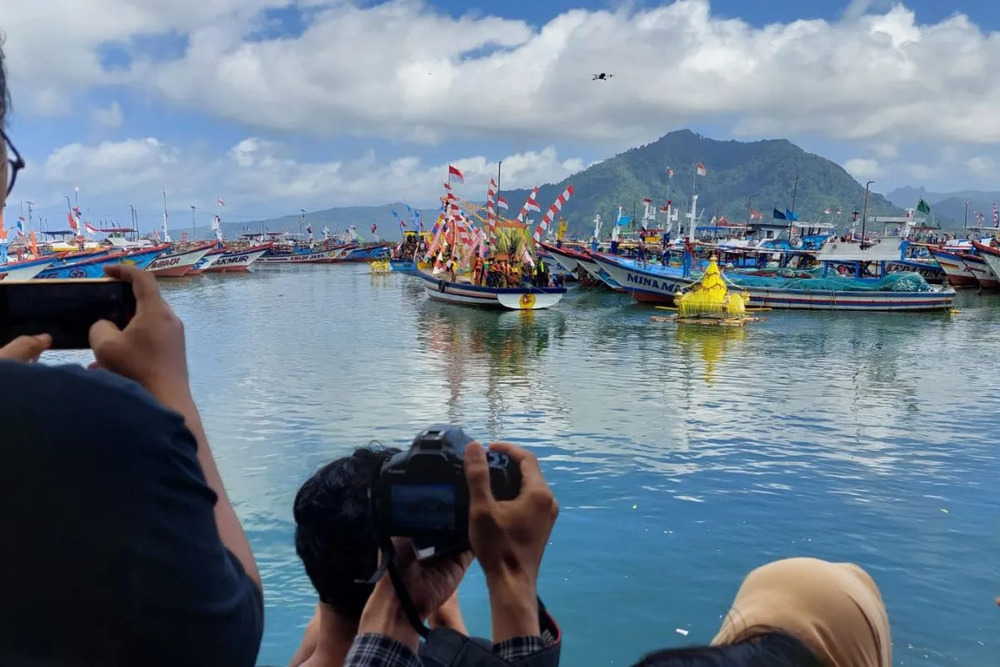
x: 491, y: 213
x: 72, y: 222
x: 700, y: 169
x: 670, y: 172
x: 502, y: 203
x: 91, y: 229
x: 374, y: 228
x: 456, y: 173
x: 647, y: 200
x: 551, y: 213
x: 996, y: 215
x: 530, y: 205
x: 219, y: 200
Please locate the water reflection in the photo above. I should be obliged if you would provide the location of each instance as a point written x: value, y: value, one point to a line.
x: 710, y: 343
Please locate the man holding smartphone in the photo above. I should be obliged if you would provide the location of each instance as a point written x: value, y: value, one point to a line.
x: 121, y: 546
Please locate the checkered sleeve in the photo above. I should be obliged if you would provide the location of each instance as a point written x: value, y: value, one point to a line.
x: 372, y: 650
x: 519, y: 648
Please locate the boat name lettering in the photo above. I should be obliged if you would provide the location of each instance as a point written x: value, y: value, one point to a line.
x: 236, y: 259
x: 164, y: 263
x: 644, y: 281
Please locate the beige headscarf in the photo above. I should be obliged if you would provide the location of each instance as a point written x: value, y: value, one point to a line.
x: 833, y: 608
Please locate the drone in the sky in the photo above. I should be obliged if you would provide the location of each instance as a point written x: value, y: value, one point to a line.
x: 603, y: 76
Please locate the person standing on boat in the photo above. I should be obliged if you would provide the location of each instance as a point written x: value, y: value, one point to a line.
x: 688, y: 259
x: 121, y: 544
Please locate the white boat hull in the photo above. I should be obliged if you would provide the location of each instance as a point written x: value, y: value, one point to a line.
x: 464, y: 294
x: 177, y: 264
x: 22, y: 272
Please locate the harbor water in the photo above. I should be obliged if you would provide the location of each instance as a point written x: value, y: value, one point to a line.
x: 681, y: 457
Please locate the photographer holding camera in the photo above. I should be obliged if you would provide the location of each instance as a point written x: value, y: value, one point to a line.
x: 503, y: 509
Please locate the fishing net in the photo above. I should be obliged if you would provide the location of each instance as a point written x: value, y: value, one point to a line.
x: 903, y: 281
x: 710, y: 297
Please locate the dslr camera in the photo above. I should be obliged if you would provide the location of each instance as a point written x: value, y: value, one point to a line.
x: 422, y: 494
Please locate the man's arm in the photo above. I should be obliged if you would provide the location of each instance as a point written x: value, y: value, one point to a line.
x: 151, y: 351
x: 509, y: 538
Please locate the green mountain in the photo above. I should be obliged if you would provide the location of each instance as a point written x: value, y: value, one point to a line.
x: 765, y: 170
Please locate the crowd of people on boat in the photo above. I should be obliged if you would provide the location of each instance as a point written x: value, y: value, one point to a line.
x: 502, y: 272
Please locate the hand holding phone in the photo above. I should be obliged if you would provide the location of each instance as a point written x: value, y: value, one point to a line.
x: 62, y: 309
x: 150, y: 349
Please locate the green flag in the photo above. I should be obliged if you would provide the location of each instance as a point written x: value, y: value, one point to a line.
x: 922, y: 207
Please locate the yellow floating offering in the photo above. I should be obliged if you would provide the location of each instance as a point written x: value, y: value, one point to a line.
x: 710, y: 298
x: 380, y: 266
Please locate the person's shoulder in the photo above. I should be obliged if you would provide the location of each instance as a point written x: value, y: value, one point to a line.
x: 76, y: 393
x: 68, y: 378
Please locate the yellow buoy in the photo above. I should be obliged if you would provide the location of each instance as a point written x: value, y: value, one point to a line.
x: 710, y: 298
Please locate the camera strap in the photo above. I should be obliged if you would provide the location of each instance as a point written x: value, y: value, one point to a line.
x: 445, y: 647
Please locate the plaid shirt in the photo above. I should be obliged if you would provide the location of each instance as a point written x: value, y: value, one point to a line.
x: 372, y: 650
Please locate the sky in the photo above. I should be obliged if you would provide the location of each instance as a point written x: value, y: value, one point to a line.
x: 274, y: 106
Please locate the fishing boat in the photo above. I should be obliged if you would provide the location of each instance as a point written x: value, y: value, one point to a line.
x: 213, y: 256
x: 583, y: 262
x: 180, y: 262
x: 93, y: 267
x: 830, y: 291
x: 990, y: 255
x: 958, y: 272
x: 323, y: 256
x: 231, y: 261
x: 25, y: 269
x: 466, y: 294
x: 978, y: 267
x: 364, y: 253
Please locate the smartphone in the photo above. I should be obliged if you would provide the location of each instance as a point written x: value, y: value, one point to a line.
x: 64, y: 309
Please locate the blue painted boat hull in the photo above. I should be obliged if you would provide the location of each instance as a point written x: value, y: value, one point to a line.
x: 94, y: 268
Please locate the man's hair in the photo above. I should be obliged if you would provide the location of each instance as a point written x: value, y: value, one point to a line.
x: 771, y: 650
x: 334, y: 535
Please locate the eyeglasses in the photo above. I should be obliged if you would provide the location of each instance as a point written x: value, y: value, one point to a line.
x: 16, y: 162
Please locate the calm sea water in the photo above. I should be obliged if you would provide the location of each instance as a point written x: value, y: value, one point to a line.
x: 681, y: 457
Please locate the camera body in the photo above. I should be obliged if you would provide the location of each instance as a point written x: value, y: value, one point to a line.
x: 422, y: 493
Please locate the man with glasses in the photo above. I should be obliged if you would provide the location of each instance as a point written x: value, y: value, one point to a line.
x: 120, y: 544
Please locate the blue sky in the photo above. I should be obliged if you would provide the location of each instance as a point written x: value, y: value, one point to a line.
x: 275, y: 105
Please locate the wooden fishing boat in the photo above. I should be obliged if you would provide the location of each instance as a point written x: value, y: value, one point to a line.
x: 322, y: 256
x: 237, y: 261
x: 954, y: 267
x: 466, y: 294
x: 93, y: 267
x: 179, y: 263
x: 655, y: 284
x: 26, y: 269
x: 990, y: 255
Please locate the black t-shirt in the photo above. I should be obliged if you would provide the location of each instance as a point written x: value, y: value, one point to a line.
x: 109, y: 551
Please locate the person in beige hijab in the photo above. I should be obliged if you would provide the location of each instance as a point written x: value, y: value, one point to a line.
x: 835, y: 609
x: 798, y: 612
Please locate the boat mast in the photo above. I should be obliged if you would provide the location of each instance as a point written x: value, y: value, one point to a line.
x: 795, y: 191
x: 166, y: 233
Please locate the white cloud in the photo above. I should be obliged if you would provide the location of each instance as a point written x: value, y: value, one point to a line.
x: 864, y: 169
x: 110, y: 117
x: 401, y: 69
x: 257, y: 175
x: 982, y: 166
x: 886, y: 150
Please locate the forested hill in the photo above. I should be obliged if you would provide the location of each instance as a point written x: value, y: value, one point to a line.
x: 765, y: 170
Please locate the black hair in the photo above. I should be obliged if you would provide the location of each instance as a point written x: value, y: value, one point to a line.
x: 770, y: 650
x: 333, y: 534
